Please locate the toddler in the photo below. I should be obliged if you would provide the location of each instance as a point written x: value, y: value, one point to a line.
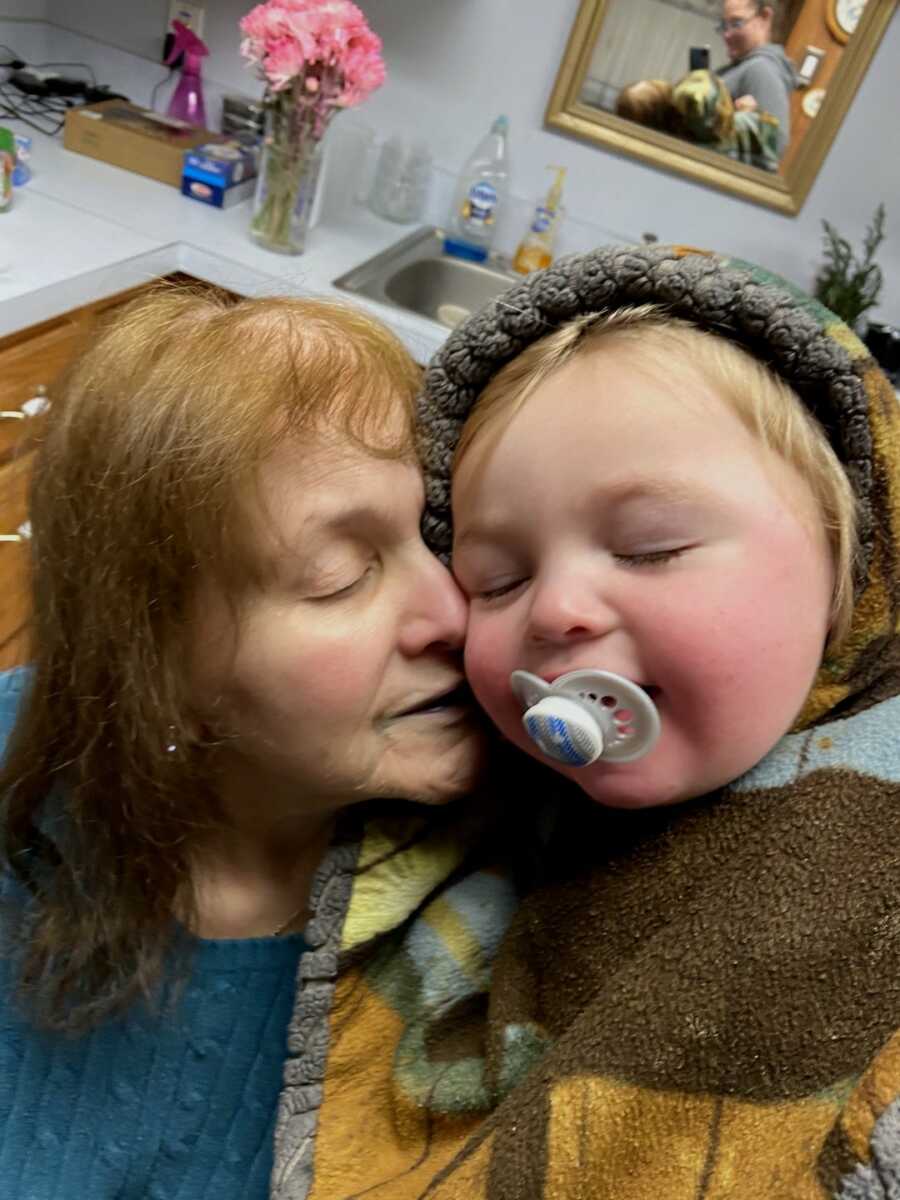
x: 636, y: 495
x: 676, y: 469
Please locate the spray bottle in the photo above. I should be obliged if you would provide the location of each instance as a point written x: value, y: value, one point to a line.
x: 187, y: 99
x: 536, y: 247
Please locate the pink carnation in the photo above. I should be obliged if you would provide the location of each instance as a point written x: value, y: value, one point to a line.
x: 283, y: 63
x: 286, y: 39
x: 363, y: 70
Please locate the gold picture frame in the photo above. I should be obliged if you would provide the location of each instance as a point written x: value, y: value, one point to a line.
x: 784, y: 191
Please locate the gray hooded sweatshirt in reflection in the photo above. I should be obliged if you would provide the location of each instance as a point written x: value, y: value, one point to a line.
x: 769, y: 76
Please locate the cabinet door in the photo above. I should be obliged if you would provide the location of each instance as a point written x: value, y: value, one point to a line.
x: 15, y: 589
x: 30, y: 364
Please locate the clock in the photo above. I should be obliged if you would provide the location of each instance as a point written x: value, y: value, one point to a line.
x: 842, y: 18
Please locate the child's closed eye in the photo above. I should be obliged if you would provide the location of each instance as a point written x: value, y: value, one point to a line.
x: 498, y: 591
x: 650, y: 558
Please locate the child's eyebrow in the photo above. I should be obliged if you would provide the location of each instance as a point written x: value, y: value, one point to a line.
x: 671, y: 491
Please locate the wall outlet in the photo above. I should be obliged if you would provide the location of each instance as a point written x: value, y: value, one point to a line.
x: 188, y: 12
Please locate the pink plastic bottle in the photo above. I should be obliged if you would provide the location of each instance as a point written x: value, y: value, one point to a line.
x: 187, y: 99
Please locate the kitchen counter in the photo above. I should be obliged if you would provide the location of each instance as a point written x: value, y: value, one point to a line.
x: 81, y: 230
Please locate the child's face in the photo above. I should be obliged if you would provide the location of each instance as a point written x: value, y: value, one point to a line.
x: 633, y: 525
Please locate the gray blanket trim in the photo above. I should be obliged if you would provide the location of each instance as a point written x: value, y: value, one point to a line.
x: 768, y: 317
x: 880, y: 1178
x: 308, y: 1030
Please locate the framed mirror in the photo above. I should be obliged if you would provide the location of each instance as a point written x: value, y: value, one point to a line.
x: 740, y: 95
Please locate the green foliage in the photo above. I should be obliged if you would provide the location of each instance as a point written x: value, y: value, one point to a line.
x: 845, y: 284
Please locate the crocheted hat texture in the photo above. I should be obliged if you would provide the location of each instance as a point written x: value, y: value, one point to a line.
x: 794, y: 335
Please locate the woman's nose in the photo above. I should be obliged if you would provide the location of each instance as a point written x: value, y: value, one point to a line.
x: 436, y: 611
x: 565, y: 609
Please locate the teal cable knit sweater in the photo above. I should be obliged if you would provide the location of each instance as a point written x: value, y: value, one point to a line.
x: 178, y: 1107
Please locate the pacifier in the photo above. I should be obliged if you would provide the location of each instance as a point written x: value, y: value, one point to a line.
x: 587, y: 715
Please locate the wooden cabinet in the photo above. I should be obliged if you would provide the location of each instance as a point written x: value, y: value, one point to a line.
x: 14, y: 562
x: 31, y: 363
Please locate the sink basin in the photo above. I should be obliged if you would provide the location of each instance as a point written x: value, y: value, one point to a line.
x: 415, y: 275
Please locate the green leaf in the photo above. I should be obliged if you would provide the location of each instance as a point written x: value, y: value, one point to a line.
x: 848, y: 285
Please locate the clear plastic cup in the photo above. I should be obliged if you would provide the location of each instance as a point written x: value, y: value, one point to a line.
x: 402, y: 180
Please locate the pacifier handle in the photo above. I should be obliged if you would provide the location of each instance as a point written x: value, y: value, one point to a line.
x: 587, y: 715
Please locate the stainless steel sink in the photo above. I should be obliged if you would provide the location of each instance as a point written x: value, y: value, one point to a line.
x: 415, y: 274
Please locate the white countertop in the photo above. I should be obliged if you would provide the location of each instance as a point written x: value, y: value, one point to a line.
x: 81, y: 230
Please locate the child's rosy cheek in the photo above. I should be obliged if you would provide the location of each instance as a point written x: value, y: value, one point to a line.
x: 486, y: 668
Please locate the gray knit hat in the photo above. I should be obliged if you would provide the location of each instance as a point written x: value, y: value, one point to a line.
x: 798, y: 338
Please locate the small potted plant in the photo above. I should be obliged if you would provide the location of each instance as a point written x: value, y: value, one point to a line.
x: 848, y: 285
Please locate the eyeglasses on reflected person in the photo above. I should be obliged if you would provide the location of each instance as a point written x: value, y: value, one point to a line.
x: 733, y: 24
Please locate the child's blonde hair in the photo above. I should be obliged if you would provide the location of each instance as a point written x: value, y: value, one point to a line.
x: 764, y: 403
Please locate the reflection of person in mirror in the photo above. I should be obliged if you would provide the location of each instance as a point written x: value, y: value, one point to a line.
x: 700, y: 109
x: 759, y: 75
x: 649, y: 102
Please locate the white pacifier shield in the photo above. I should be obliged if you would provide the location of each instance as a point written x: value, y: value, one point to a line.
x: 587, y: 715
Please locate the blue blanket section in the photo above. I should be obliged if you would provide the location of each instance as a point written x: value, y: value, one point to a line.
x: 867, y: 744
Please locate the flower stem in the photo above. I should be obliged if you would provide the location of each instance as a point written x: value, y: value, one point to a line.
x: 295, y: 122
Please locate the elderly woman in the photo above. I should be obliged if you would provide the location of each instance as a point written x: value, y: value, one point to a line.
x: 246, y: 666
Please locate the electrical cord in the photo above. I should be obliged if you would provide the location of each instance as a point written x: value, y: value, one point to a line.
x: 45, y: 114
x: 36, y: 113
x: 85, y: 66
x: 165, y: 79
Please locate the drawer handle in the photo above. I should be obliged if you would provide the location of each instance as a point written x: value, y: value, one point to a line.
x: 22, y: 534
x: 31, y: 408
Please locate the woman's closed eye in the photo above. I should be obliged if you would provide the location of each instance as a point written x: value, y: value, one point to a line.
x: 332, y: 592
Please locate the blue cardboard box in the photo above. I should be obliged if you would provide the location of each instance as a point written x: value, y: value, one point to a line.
x: 219, y: 173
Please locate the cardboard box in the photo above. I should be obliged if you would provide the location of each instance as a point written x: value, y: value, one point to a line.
x: 125, y: 135
x: 220, y: 173
x: 221, y: 163
x: 214, y: 195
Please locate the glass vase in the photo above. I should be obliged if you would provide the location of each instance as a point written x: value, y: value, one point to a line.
x: 289, y: 169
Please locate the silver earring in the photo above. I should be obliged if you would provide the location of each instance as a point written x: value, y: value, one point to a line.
x: 171, y: 745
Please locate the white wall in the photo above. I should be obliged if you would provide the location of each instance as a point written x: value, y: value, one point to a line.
x: 135, y: 25
x: 34, y: 10
x: 23, y: 28
x: 451, y: 62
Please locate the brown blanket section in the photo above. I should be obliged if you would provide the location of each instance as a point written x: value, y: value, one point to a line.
x: 714, y: 995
